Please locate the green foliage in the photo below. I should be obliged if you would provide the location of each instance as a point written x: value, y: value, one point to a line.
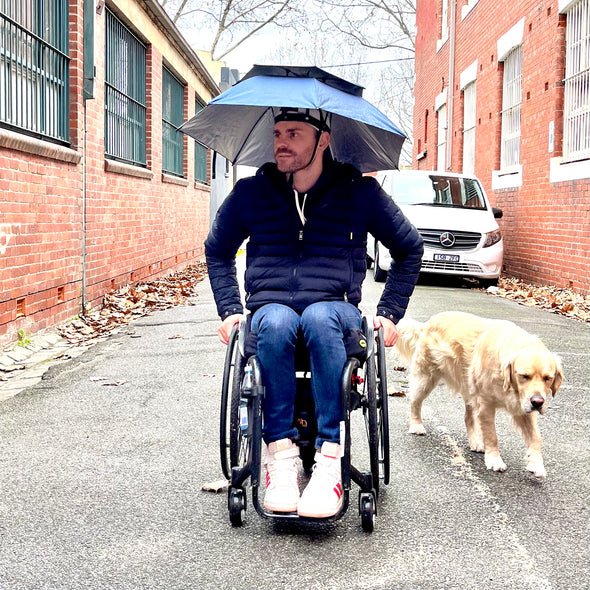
x: 23, y: 339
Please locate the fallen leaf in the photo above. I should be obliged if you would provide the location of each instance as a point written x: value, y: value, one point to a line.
x: 216, y: 486
x: 396, y: 394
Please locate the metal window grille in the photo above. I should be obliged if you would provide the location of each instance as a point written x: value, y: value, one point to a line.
x: 200, y: 155
x: 469, y: 129
x: 576, y: 133
x: 34, y: 67
x: 511, y: 101
x: 172, y: 118
x: 125, y: 94
x: 441, y: 142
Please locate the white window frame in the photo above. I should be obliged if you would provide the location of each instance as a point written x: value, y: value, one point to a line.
x: 511, y: 106
x: 576, y: 117
x: 508, y: 176
x: 441, y: 138
x: 444, y: 28
x: 469, y: 123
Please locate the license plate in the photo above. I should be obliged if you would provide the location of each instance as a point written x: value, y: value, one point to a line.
x: 447, y: 257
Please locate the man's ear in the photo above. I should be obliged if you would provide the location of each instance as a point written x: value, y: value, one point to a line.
x: 324, y: 141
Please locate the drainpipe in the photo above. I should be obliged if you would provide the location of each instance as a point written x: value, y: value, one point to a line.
x: 89, y: 73
x: 84, y: 210
x: 451, y: 97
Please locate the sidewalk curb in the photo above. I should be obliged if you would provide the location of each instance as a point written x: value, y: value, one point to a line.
x: 23, y: 366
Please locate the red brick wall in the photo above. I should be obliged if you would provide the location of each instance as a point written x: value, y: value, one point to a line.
x: 546, y: 225
x: 136, y: 228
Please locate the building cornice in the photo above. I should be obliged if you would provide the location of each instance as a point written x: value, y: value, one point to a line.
x: 161, y: 16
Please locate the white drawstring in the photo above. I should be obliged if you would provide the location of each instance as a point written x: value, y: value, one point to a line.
x: 300, y: 208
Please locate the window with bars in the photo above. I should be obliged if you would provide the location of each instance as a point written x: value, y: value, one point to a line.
x: 172, y: 119
x: 34, y: 67
x: 200, y: 155
x: 444, y: 32
x: 125, y: 94
x: 441, y: 138
x: 511, y: 101
x: 576, y: 132
x: 469, y: 129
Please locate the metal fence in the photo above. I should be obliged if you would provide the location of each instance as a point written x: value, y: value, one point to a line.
x: 125, y: 94
x: 576, y: 140
x: 172, y: 119
x: 511, y: 101
x: 34, y: 67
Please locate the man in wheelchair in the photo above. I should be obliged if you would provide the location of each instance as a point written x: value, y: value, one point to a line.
x: 306, y: 218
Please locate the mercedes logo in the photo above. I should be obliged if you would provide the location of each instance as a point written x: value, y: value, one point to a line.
x: 447, y: 239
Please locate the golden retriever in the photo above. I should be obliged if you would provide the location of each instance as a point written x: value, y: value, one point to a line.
x: 493, y: 365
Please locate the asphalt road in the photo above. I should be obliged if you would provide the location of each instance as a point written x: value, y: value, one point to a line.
x: 102, y: 465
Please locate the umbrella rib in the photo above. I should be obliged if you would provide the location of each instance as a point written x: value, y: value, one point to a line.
x: 249, y: 134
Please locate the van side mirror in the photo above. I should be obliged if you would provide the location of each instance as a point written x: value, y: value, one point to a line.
x: 498, y: 213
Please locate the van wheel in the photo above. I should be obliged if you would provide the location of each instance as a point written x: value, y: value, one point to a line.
x: 378, y: 273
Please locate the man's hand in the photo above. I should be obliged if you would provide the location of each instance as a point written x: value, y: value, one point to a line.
x: 224, y: 331
x: 390, y: 333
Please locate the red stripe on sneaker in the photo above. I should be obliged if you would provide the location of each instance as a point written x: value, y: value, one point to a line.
x: 267, y: 479
x: 338, y: 490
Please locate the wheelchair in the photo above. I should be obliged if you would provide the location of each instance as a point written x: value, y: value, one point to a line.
x: 363, y: 389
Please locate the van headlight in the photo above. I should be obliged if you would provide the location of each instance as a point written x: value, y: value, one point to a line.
x: 492, y: 238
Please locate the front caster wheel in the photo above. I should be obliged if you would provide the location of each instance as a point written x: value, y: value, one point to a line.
x: 367, y: 510
x: 236, y: 504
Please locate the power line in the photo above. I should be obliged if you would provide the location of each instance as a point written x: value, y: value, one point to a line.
x: 366, y: 63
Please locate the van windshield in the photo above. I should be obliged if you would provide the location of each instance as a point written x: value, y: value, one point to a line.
x: 436, y: 190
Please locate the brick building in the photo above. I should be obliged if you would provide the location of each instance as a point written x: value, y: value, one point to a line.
x: 503, y: 90
x: 98, y: 189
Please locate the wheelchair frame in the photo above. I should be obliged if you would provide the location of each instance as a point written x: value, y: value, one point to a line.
x: 363, y: 385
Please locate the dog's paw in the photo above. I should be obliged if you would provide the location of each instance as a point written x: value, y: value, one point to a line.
x: 495, y: 463
x: 537, y: 469
x: 417, y: 429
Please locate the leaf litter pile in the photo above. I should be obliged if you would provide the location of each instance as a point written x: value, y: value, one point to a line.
x: 121, y: 307
x: 554, y: 299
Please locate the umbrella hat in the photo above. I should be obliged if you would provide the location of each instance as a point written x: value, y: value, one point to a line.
x: 239, y: 123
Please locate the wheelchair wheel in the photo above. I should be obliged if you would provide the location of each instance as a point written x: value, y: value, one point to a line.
x: 232, y: 356
x: 232, y: 445
x: 236, y: 504
x: 382, y: 410
x: 375, y: 410
x: 371, y: 418
x: 368, y: 511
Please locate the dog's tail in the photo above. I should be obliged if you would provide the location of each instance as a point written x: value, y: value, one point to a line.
x: 409, y: 333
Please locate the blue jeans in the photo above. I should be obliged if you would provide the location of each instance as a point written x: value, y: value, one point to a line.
x: 323, y: 326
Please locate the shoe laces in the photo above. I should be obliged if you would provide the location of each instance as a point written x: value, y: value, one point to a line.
x: 326, y: 472
x: 282, y: 472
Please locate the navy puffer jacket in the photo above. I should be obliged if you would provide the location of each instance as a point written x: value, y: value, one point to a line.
x: 324, y: 259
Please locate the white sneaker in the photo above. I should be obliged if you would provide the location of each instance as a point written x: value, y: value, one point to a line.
x: 323, y: 496
x: 282, y: 476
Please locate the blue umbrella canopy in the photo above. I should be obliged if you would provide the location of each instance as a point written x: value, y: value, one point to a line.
x: 239, y: 123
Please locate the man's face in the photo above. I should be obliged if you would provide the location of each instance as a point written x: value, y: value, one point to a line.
x: 294, y: 143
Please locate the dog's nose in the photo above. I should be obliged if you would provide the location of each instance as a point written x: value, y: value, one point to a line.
x: 537, y: 402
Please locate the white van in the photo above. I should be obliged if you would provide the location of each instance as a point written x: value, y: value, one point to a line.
x: 453, y: 215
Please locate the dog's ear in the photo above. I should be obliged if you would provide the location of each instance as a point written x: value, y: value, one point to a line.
x: 507, y: 374
x: 558, y: 379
